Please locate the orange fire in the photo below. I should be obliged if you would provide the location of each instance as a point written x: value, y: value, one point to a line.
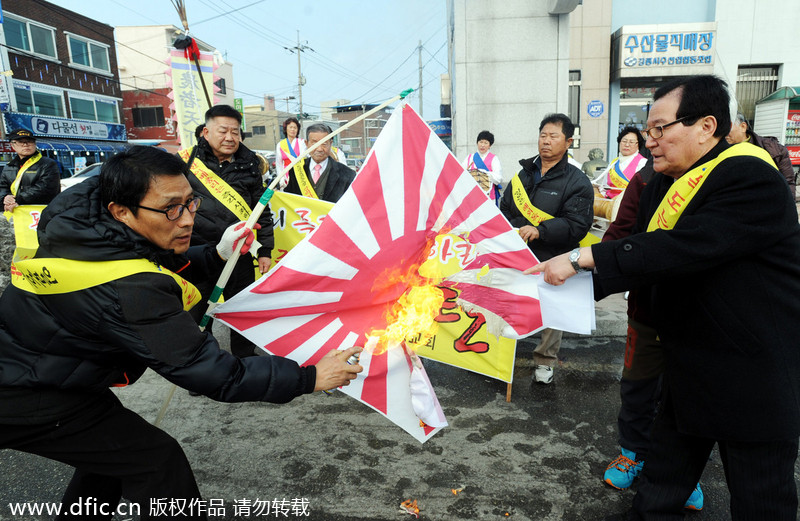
x: 414, y: 313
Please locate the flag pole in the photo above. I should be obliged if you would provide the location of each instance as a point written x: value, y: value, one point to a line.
x: 213, y: 300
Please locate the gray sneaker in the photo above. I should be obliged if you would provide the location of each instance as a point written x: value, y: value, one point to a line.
x: 543, y: 374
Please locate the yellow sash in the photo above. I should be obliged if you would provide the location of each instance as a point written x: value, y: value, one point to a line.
x: 534, y: 215
x: 303, y: 181
x: 25, y: 166
x: 288, y: 151
x: 57, y: 276
x: 218, y: 188
x: 684, y: 189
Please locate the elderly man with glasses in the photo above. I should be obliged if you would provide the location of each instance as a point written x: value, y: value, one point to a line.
x: 29, y: 178
x: 106, y: 298
x: 717, y: 246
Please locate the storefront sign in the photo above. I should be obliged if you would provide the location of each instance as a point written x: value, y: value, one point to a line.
x: 663, y: 50
x: 65, y: 128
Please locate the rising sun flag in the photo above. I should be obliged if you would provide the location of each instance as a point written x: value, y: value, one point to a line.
x: 412, y: 220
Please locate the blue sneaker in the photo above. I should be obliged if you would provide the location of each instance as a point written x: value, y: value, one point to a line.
x: 621, y: 472
x: 695, y: 501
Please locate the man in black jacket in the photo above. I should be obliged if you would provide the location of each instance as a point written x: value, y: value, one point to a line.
x: 228, y: 176
x: 717, y: 243
x: 321, y: 176
x: 555, y: 217
x: 103, y: 300
x: 29, y: 178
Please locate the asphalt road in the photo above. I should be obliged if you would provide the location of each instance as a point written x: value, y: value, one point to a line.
x: 539, y: 457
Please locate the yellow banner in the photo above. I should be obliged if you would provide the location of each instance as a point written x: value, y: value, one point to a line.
x: 534, y: 215
x: 55, y: 276
x: 295, y: 217
x: 462, y: 339
x: 26, y: 220
x: 684, y: 189
x: 188, y: 94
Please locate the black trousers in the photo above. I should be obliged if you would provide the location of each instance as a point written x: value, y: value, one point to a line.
x: 115, y: 452
x: 639, y: 388
x: 760, y: 475
x: 242, y: 276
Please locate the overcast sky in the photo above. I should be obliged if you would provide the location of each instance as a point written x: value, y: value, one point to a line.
x: 361, y: 50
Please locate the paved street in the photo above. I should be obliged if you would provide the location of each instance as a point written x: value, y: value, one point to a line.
x: 539, y: 457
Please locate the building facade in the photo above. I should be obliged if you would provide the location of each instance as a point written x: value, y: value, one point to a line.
x: 60, y: 81
x: 611, y: 57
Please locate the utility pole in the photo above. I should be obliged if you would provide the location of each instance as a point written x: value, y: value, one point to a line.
x: 300, y: 79
x: 420, y: 79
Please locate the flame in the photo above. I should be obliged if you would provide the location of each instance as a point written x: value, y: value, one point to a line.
x: 414, y: 314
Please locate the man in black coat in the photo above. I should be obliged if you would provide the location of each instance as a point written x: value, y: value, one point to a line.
x: 119, y: 243
x: 717, y: 243
x: 321, y: 176
x: 29, y: 178
x: 228, y: 176
x: 561, y: 191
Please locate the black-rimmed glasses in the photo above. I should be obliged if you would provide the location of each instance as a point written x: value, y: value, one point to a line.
x: 173, y: 212
x: 658, y: 132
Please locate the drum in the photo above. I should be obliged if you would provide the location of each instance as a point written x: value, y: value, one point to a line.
x: 482, y: 178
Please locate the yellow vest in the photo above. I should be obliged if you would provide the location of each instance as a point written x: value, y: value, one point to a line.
x: 534, y: 215
x: 56, y: 276
x: 684, y: 189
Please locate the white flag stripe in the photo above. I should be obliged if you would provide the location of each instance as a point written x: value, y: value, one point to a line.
x: 248, y: 301
x: 348, y: 210
x: 481, y: 215
x: 390, y: 161
x: 509, y: 241
x: 309, y: 348
x: 435, y: 158
x: 315, y: 261
x: 461, y: 189
x: 267, y: 332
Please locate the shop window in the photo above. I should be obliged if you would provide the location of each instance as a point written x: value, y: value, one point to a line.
x: 148, y: 116
x: 754, y: 82
x: 259, y: 130
x: 94, y: 110
x: 88, y: 53
x: 37, y: 102
x: 29, y: 36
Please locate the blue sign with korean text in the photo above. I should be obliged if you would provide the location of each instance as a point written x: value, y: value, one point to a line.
x: 65, y: 128
x: 595, y: 108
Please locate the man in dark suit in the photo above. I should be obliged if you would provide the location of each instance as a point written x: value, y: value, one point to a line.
x: 321, y: 176
x: 717, y: 246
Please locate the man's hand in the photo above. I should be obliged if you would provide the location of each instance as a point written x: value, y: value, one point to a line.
x: 263, y: 264
x: 529, y: 233
x: 9, y: 203
x: 333, y: 370
x: 558, y: 269
x: 230, y: 241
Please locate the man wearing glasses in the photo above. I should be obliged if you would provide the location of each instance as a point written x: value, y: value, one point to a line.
x: 227, y: 174
x: 104, y: 299
x: 717, y: 245
x: 29, y: 178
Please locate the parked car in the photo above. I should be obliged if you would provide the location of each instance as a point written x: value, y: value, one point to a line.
x: 83, y: 175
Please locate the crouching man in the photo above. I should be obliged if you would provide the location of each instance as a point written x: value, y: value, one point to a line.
x: 105, y: 298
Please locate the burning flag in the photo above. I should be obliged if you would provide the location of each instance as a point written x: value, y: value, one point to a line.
x: 412, y: 219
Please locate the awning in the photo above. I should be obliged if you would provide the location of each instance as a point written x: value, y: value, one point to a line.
x: 81, y: 146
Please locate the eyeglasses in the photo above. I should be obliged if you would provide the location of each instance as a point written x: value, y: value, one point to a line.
x: 658, y: 132
x: 174, y: 211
